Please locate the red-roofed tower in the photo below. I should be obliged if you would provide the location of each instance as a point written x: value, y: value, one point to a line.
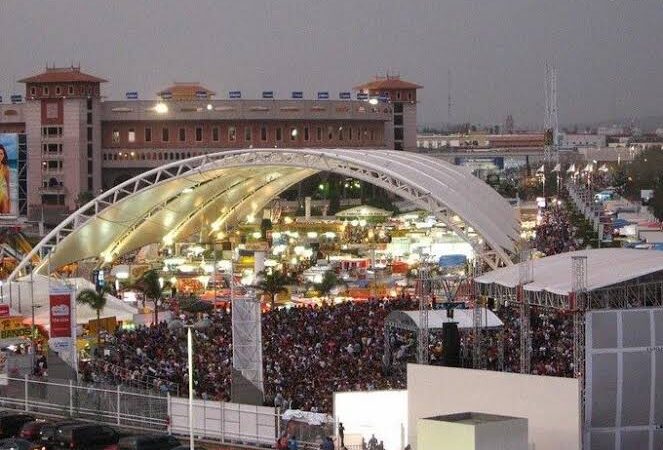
x: 63, y: 127
x: 401, y: 133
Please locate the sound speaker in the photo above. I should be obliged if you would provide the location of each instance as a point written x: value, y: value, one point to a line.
x: 450, y: 345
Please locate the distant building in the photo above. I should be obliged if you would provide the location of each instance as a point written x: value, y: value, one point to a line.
x: 402, y: 94
x: 79, y: 143
x: 582, y: 140
x: 479, y: 141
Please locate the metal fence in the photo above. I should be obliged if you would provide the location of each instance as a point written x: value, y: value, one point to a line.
x: 128, y: 407
x: 116, y: 406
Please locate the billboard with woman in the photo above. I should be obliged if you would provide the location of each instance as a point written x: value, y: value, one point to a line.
x: 8, y: 174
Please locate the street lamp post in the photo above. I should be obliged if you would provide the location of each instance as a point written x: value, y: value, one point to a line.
x: 189, y: 339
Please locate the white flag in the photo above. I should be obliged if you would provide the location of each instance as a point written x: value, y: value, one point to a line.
x: 540, y: 169
x: 557, y: 168
x: 571, y: 168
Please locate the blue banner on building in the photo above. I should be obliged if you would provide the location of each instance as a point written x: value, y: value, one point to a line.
x: 132, y: 95
x: 345, y: 96
x: 298, y: 95
x: 201, y: 94
x: 362, y: 96
x: 235, y: 94
x: 323, y: 95
x: 0, y: 98
x: 166, y: 95
x: 16, y: 98
x: 268, y: 94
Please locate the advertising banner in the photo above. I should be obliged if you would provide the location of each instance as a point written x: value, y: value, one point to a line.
x: 3, y: 369
x: 60, y: 314
x: 9, y: 174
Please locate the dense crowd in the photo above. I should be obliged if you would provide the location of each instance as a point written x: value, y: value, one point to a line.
x: 310, y: 352
x: 555, y: 233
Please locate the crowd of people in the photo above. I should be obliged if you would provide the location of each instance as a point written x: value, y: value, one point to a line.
x: 555, y: 233
x: 313, y: 351
x: 308, y: 352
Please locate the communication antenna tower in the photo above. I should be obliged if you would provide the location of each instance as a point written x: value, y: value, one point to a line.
x: 551, y: 123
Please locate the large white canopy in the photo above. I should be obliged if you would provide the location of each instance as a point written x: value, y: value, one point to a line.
x: 437, y: 318
x: 605, y: 267
x: 171, y: 202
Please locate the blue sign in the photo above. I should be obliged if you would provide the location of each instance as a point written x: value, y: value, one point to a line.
x: 0, y: 98
x: 16, y: 98
x: 383, y: 98
x: 166, y: 95
x: 201, y: 94
x: 344, y: 95
x: 235, y: 94
x: 362, y: 96
x: 132, y: 95
x: 267, y: 94
x: 297, y: 95
x: 323, y: 95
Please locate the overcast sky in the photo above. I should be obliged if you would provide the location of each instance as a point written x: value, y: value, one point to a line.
x: 609, y: 54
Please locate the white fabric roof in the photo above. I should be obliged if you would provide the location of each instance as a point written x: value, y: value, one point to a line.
x: 21, y: 289
x: 605, y: 267
x: 227, y: 186
x: 464, y: 317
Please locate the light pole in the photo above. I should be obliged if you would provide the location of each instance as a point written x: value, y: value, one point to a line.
x: 189, y: 341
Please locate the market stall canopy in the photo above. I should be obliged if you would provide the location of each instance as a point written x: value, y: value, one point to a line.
x: 23, y: 290
x: 605, y: 267
x: 409, y: 320
x: 363, y: 211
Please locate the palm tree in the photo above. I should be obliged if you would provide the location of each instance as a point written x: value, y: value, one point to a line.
x: 328, y: 282
x: 151, y: 288
x: 95, y: 300
x: 273, y: 283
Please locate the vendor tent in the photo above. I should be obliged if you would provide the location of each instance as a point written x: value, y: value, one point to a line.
x: 22, y: 296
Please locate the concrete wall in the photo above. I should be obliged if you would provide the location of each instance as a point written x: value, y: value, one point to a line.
x: 551, y: 405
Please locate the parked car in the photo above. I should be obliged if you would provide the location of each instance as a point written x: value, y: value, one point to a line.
x: 18, y: 444
x: 84, y: 437
x: 48, y: 431
x: 31, y: 431
x: 11, y: 423
x: 148, y: 442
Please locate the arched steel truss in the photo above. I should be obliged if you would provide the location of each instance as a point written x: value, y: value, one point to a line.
x: 434, y: 185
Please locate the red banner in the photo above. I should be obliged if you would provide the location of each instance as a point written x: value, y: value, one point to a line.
x: 4, y: 310
x: 60, y: 311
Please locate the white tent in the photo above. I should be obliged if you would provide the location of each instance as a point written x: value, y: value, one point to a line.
x: 20, y: 294
x: 605, y: 267
x: 437, y: 318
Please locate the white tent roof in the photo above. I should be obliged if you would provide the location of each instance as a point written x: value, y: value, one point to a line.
x: 228, y: 186
x: 21, y: 290
x: 437, y: 318
x: 605, y: 267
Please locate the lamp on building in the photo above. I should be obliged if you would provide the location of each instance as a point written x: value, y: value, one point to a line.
x: 161, y: 108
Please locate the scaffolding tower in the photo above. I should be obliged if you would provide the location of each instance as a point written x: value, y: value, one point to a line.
x: 526, y: 275
x: 424, y: 298
x: 246, y: 333
x: 478, y: 354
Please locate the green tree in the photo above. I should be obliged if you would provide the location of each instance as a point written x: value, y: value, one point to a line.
x: 656, y: 203
x: 644, y: 172
x: 96, y: 301
x: 329, y: 281
x: 273, y: 283
x: 151, y: 288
